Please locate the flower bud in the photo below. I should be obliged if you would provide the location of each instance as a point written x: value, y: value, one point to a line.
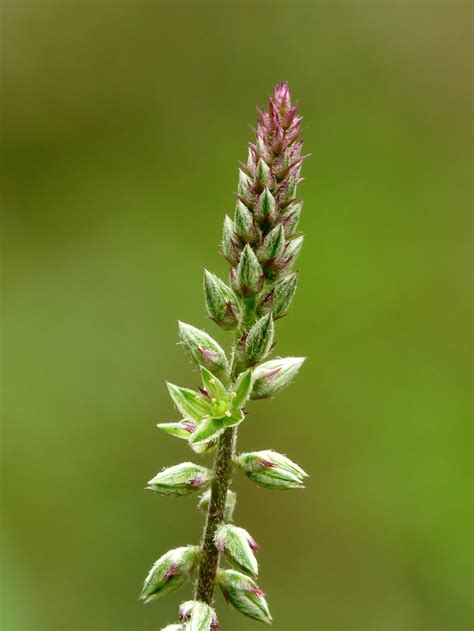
x: 170, y: 572
x: 245, y: 224
x: 291, y: 187
x: 263, y: 174
x: 202, y: 349
x: 238, y: 547
x: 230, y: 247
x: 221, y: 302
x: 259, y: 340
x: 291, y: 218
x: 273, y: 245
x: 243, y: 593
x: 181, y: 479
x: 249, y: 277
x: 271, y: 470
x: 284, y: 291
x: 291, y: 252
x: 183, y: 429
x: 198, y: 616
x: 273, y: 376
x: 230, y: 502
x: 244, y: 186
x: 265, y: 211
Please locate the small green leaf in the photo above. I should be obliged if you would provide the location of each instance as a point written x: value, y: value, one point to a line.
x: 242, y: 389
x: 209, y: 429
x: 183, y: 429
x: 189, y: 402
x: 233, y: 419
x: 212, y: 385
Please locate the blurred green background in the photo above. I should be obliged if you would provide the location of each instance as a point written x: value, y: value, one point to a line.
x: 122, y: 124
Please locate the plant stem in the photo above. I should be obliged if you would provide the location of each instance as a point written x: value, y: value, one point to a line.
x: 222, y: 471
x: 215, y: 515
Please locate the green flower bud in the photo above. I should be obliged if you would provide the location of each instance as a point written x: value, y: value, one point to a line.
x: 271, y: 470
x: 230, y: 502
x: 292, y: 186
x: 291, y: 217
x: 259, y: 340
x: 221, y: 302
x: 283, y: 293
x: 249, y: 278
x: 202, y: 349
x: 265, y: 211
x: 293, y: 248
x: 243, y: 593
x: 263, y: 173
x: 273, y: 376
x: 230, y: 246
x: 183, y: 429
x: 238, y: 547
x: 244, y: 185
x: 170, y: 572
x: 245, y: 224
x: 273, y: 245
x: 181, y: 479
x: 198, y: 616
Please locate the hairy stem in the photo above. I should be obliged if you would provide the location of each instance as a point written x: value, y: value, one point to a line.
x: 222, y: 471
x: 215, y: 515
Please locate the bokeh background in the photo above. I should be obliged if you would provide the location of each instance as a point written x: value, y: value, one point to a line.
x: 122, y: 124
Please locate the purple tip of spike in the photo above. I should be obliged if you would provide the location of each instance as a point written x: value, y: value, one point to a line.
x: 281, y: 96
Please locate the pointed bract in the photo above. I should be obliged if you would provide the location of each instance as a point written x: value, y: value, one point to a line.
x: 198, y: 616
x: 243, y: 593
x: 180, y: 479
x: 249, y: 276
x: 170, y: 572
x: 238, y: 548
x: 202, y: 348
x: 275, y: 375
x: 272, y: 470
x: 259, y: 341
x: 189, y: 402
x: 221, y: 302
x: 183, y: 429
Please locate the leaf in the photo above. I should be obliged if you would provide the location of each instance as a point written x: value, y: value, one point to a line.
x: 208, y: 430
x: 189, y: 402
x: 243, y: 388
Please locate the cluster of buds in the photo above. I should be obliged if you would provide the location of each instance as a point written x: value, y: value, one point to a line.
x: 261, y: 243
